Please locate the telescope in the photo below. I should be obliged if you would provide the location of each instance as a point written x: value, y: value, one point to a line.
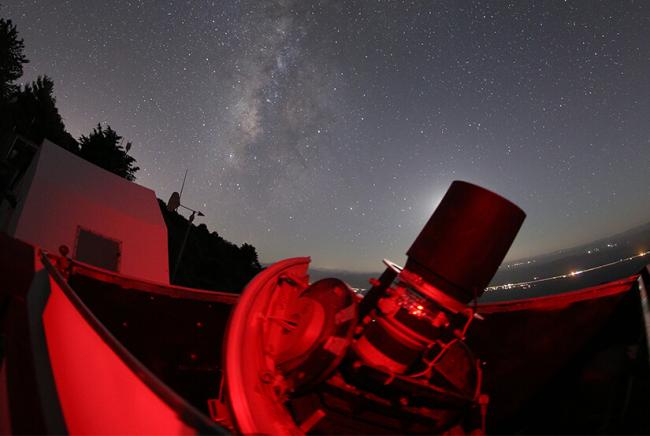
x: 304, y: 357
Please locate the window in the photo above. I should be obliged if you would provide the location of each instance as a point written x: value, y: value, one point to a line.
x: 98, y: 250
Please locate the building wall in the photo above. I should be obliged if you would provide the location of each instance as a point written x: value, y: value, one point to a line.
x: 67, y: 192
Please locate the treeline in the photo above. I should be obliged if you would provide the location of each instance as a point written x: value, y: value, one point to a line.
x: 30, y: 111
x: 208, y: 261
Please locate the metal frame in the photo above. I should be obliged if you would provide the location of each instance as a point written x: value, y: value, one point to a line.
x: 142, y: 285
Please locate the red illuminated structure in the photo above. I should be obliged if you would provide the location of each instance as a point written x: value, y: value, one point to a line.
x: 403, y: 359
x: 90, y: 351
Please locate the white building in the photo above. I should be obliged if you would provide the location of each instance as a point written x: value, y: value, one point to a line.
x: 102, y: 218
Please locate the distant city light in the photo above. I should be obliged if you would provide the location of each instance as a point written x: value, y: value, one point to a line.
x: 528, y: 284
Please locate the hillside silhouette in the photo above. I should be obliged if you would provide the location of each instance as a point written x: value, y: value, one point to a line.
x: 208, y: 261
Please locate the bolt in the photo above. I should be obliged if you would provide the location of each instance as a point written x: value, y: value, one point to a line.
x: 266, y: 377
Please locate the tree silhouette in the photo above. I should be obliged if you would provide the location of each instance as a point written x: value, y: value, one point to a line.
x: 209, y: 261
x: 103, y: 147
x: 11, y: 59
x: 33, y: 113
x: 248, y: 255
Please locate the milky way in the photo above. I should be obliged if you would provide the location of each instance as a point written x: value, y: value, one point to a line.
x: 332, y: 129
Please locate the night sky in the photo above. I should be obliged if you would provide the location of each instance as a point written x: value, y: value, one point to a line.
x: 332, y: 129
